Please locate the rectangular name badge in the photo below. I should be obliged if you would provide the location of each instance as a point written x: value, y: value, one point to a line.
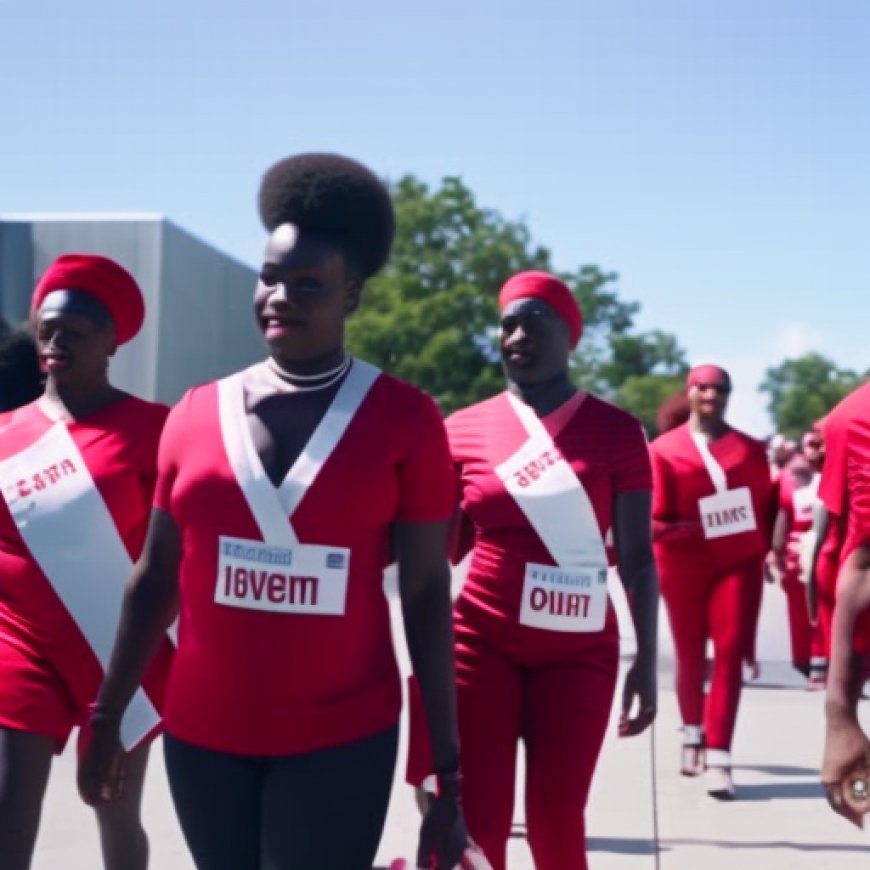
x: 727, y: 513
x: 306, y: 578
x: 559, y: 600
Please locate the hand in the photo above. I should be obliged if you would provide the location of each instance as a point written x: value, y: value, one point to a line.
x: 102, y: 762
x: 640, y: 683
x: 443, y: 835
x: 847, y: 749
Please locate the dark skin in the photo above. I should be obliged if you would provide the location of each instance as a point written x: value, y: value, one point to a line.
x: 535, y: 345
x: 305, y: 292
x: 847, y: 748
x: 74, y: 351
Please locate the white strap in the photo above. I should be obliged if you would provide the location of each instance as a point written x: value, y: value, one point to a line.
x: 557, y: 506
x: 71, y: 535
x: 714, y: 469
x: 273, y: 507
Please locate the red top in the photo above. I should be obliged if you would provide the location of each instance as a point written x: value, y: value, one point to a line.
x: 606, y: 448
x: 681, y: 479
x: 845, y: 486
x: 798, y: 510
x: 266, y: 683
x: 48, y: 672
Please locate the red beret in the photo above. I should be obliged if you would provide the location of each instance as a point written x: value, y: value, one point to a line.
x: 708, y: 374
x: 101, y: 278
x: 549, y: 289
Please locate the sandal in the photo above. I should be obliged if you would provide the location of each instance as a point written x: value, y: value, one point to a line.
x: 718, y: 780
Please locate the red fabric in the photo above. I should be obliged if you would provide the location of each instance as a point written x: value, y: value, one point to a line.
x: 261, y: 683
x: 103, y: 279
x: 560, y: 707
x: 845, y: 486
x: 548, y: 288
x: 702, y: 606
x: 604, y: 445
x: 708, y: 375
x: 553, y: 689
x: 48, y: 673
x: 681, y: 479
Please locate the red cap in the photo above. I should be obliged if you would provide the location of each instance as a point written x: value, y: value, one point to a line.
x: 708, y: 374
x: 549, y: 289
x: 101, y: 278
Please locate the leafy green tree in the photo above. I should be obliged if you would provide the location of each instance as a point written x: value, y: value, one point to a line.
x: 801, y: 391
x: 430, y: 317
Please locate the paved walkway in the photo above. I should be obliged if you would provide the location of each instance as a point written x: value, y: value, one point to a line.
x: 779, y: 821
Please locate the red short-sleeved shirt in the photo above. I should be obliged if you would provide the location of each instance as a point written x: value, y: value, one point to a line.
x: 606, y: 448
x: 48, y: 672
x: 266, y: 683
x: 845, y: 486
x: 681, y: 479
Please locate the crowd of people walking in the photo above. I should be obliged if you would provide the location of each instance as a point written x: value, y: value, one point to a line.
x: 213, y: 572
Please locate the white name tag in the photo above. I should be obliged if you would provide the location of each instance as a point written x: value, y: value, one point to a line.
x: 556, y: 599
x: 305, y: 578
x: 727, y: 513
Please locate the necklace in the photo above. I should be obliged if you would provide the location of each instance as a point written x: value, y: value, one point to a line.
x: 309, y: 383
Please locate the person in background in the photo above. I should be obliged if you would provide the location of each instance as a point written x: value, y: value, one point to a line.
x: 20, y: 375
x: 77, y: 467
x: 712, y: 518
x: 284, y: 490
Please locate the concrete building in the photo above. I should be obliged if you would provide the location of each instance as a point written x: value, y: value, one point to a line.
x: 199, y: 323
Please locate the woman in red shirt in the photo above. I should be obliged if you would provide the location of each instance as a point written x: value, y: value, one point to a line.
x: 711, y: 530
x: 545, y: 470
x: 78, y: 467
x: 284, y: 490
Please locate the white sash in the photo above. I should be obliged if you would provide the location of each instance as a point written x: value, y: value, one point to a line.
x: 71, y: 535
x: 729, y: 511
x: 279, y: 573
x: 572, y: 596
x: 807, y: 504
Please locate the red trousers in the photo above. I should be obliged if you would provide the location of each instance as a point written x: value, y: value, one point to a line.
x: 723, y: 607
x: 559, y: 706
x: 807, y: 640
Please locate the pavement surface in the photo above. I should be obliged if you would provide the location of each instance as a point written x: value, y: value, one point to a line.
x: 642, y: 815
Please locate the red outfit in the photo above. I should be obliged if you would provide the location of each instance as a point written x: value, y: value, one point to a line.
x: 48, y: 671
x: 845, y: 486
x: 257, y: 682
x: 711, y: 587
x: 553, y: 689
x: 807, y: 640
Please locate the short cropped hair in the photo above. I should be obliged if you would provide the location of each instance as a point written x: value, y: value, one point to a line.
x: 336, y: 197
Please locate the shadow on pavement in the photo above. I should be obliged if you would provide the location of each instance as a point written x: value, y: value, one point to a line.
x: 779, y: 769
x: 668, y: 844
x: 620, y: 845
x: 770, y: 791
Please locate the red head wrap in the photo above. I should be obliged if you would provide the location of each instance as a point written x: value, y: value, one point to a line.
x: 549, y: 289
x: 102, y: 278
x: 708, y: 374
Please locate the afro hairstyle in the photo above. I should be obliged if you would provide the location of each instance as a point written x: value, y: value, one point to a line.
x: 336, y: 197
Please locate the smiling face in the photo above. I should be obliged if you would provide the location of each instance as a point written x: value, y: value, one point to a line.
x: 534, y: 342
x: 304, y: 295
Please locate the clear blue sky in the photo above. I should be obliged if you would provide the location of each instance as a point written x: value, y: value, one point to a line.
x: 715, y: 154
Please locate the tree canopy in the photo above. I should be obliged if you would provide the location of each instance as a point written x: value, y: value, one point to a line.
x: 431, y: 316
x: 802, y: 390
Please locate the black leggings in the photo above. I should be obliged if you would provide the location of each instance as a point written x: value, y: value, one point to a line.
x: 322, y: 810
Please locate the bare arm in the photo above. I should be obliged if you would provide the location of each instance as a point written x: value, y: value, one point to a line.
x: 150, y: 605
x: 424, y: 588
x: 634, y: 557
